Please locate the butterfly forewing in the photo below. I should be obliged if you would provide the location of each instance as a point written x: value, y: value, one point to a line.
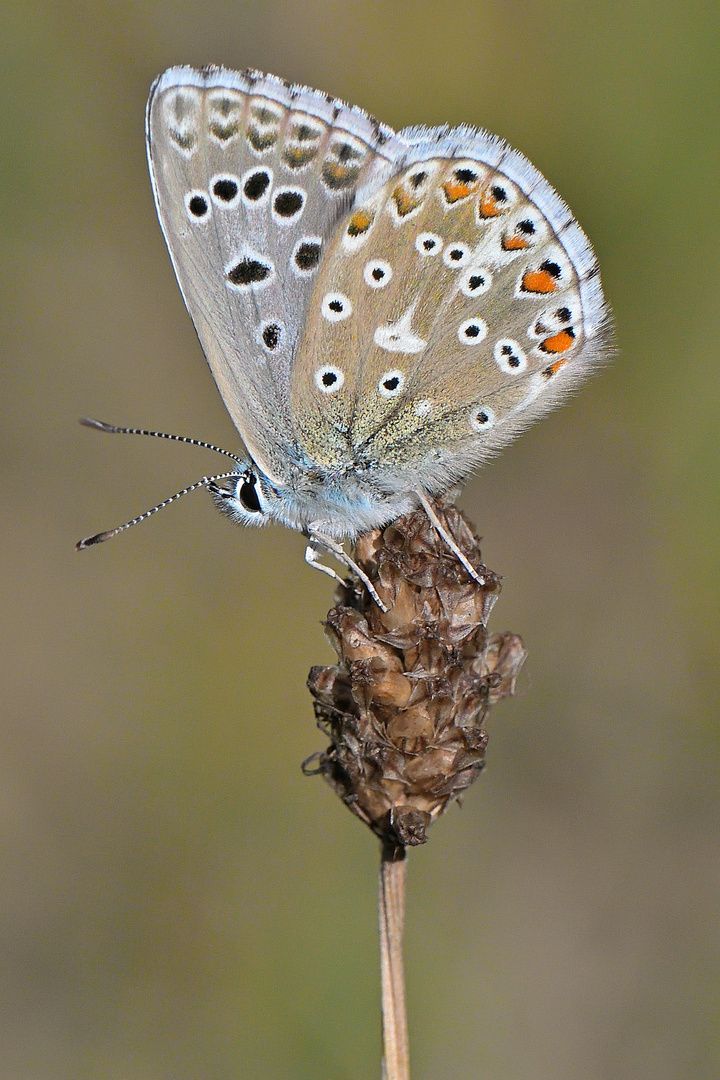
x: 454, y: 304
x: 251, y: 176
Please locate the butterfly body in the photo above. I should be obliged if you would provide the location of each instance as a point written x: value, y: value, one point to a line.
x: 381, y: 311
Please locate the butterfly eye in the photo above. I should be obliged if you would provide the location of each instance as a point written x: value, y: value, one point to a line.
x: 472, y: 331
x: 336, y: 307
x: 377, y: 274
x: 247, y: 494
x: 329, y: 379
x: 509, y: 357
x: 428, y: 243
x: 456, y: 255
x: 391, y: 383
x: 482, y: 418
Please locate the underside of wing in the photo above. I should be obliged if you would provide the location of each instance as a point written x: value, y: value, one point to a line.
x: 457, y: 302
x: 251, y: 176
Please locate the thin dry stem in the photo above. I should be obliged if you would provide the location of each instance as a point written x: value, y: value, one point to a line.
x: 391, y: 910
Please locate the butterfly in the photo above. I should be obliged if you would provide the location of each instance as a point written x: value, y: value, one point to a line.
x: 382, y: 311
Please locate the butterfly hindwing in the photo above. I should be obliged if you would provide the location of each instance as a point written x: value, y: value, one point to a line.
x: 455, y: 304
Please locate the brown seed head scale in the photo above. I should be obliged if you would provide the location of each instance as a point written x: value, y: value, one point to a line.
x: 404, y: 707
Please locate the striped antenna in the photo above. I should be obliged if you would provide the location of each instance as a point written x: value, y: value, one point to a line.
x: 100, y: 425
x: 98, y: 538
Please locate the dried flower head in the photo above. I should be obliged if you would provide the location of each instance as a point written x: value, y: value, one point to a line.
x: 404, y: 707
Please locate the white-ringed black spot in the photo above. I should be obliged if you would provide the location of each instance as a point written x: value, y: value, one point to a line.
x: 288, y: 203
x: 249, y: 271
x: 224, y: 189
x: 307, y: 254
x: 509, y: 357
x: 391, y: 383
x: 256, y: 185
x: 498, y: 193
x: 482, y: 418
x: 336, y: 307
x: 417, y: 179
x: 456, y: 255
x: 329, y: 379
x: 526, y: 227
x: 197, y: 205
x: 271, y: 335
x: 472, y: 331
x: 465, y: 176
x: 476, y: 283
x: 377, y: 273
x: 551, y: 268
x: 563, y: 314
x: 428, y: 243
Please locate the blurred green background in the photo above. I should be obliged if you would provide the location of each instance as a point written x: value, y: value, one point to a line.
x: 178, y: 902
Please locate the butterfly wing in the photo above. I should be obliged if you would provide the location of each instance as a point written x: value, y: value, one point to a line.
x: 457, y: 302
x: 250, y: 176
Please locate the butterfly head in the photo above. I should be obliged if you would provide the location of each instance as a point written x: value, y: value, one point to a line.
x: 249, y: 499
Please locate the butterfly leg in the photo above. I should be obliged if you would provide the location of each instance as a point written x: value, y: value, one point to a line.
x: 430, y: 511
x: 320, y: 542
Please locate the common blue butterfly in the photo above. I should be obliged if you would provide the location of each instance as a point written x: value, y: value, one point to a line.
x: 381, y: 311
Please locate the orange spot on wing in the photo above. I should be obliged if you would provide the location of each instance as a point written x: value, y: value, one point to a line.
x: 514, y: 242
x: 554, y: 368
x: 457, y: 189
x: 404, y: 201
x: 360, y: 222
x: 540, y: 281
x: 559, y: 343
x: 488, y: 205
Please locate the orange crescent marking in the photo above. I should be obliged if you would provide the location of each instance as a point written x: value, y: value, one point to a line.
x: 558, y: 342
x: 456, y: 190
x: 403, y: 201
x: 360, y: 222
x: 539, y: 281
x: 554, y: 368
x: 514, y: 243
x: 488, y: 206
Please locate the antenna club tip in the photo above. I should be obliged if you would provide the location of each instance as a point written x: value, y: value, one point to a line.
x: 98, y: 538
x: 99, y: 425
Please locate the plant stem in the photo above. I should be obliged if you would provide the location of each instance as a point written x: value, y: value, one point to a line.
x: 391, y: 905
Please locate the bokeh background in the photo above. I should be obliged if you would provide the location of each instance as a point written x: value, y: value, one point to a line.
x: 178, y: 902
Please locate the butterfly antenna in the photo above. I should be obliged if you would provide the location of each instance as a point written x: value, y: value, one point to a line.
x: 89, y: 541
x: 100, y: 425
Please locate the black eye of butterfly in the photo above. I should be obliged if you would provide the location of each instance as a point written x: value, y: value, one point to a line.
x: 248, y: 496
